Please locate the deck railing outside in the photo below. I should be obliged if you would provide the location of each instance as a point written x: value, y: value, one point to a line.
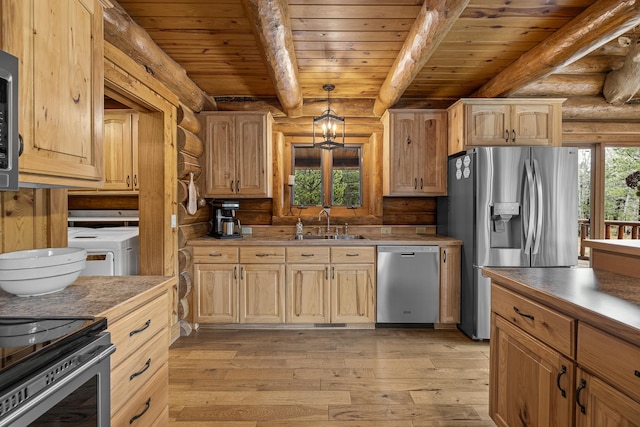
x: 612, y: 230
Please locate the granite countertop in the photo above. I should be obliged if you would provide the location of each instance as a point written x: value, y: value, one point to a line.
x: 607, y: 300
x: 87, y: 296
x: 372, y: 239
x: 623, y: 246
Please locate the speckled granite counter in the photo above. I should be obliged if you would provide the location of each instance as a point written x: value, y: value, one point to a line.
x: 373, y: 237
x: 601, y: 298
x: 87, y: 296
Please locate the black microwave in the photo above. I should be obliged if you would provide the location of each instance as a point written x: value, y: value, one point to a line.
x: 10, y: 144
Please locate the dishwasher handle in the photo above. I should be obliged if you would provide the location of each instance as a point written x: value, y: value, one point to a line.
x: 408, y: 254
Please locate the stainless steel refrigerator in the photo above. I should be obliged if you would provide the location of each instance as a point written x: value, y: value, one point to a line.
x: 511, y: 207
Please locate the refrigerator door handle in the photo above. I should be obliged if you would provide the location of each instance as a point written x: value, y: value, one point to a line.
x: 528, y: 220
x: 538, y: 180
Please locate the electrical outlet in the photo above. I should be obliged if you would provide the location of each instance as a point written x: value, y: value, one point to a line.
x: 173, y: 221
x: 385, y: 230
x: 421, y: 230
x: 247, y: 230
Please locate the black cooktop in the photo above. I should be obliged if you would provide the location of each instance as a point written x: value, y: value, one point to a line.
x: 29, y: 343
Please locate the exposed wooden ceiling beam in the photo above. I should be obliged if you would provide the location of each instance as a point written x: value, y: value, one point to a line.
x: 122, y: 32
x: 433, y: 22
x: 598, y: 24
x: 270, y: 20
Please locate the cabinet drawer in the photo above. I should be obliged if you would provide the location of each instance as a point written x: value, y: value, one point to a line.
x: 143, y: 408
x: 211, y: 255
x: 352, y: 254
x: 550, y: 327
x: 308, y: 255
x: 615, y: 360
x: 262, y: 255
x: 132, y: 374
x: 137, y: 327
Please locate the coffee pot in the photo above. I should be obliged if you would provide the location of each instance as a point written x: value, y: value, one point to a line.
x: 224, y: 222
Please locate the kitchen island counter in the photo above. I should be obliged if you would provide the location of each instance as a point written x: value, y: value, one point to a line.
x: 87, y: 296
x: 620, y: 256
x: 602, y: 298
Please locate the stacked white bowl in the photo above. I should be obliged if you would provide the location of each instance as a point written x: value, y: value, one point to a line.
x: 40, y: 271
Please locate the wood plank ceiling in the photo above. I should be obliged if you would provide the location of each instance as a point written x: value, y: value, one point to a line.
x: 353, y: 44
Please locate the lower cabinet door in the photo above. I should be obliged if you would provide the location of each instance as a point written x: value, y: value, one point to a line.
x: 216, y: 293
x: 352, y: 293
x: 598, y: 404
x: 262, y: 293
x: 307, y: 293
x: 530, y: 383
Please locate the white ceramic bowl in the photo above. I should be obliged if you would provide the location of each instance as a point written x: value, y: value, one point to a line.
x: 35, y: 258
x: 40, y: 271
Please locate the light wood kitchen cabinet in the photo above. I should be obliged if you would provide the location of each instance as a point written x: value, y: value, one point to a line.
x: 262, y: 290
x: 307, y: 285
x: 603, y: 405
x: 504, y: 122
x: 415, y: 153
x: 121, y: 150
x: 353, y: 289
x: 60, y: 46
x: 531, y: 384
x: 238, y: 152
x: 139, y: 367
x: 216, y: 273
x: 450, y: 270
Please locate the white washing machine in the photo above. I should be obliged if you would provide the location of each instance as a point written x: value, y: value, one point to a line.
x: 111, y: 251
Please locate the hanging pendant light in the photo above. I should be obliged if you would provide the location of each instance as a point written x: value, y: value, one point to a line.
x: 328, y: 129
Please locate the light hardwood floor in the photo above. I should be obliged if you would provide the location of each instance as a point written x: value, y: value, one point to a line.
x: 319, y: 378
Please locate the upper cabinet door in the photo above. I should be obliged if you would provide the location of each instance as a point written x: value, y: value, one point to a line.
x: 220, y: 160
x: 60, y: 46
x: 118, y: 145
x: 252, y: 159
x: 532, y: 124
x: 404, y: 152
x: 488, y: 124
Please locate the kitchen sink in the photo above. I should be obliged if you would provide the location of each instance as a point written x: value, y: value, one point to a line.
x: 329, y: 237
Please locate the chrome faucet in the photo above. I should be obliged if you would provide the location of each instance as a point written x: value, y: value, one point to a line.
x: 326, y: 210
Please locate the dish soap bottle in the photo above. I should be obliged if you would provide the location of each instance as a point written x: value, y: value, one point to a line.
x: 299, y: 228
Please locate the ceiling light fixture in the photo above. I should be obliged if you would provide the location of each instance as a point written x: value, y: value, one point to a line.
x: 329, y: 125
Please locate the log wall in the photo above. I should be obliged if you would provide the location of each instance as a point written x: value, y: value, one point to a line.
x: 190, y: 149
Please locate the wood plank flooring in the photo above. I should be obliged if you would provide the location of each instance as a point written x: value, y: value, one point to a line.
x: 321, y: 377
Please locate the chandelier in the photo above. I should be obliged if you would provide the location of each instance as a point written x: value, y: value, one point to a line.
x: 329, y: 125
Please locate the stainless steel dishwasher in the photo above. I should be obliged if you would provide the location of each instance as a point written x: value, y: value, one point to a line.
x: 408, y: 284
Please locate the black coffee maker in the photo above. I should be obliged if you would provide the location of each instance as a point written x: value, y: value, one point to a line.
x: 224, y: 222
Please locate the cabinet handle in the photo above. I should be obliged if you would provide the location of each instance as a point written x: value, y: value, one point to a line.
x: 582, y: 386
x: 560, y: 374
x: 215, y: 254
x: 421, y: 184
x: 326, y: 273
x: 137, y: 331
x: 135, y: 180
x: 232, y: 186
x: 444, y: 256
x: 333, y: 272
x: 415, y: 183
x: 128, y: 185
x: 237, y: 186
x: 307, y: 255
x: 528, y: 316
x: 142, y: 371
x: 262, y: 255
x: 506, y: 135
x: 637, y: 373
x: 147, y: 405
x: 242, y: 273
x: 235, y: 273
x: 513, y: 133
x: 352, y: 254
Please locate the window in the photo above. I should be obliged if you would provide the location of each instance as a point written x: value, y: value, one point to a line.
x: 327, y: 177
x: 622, y: 175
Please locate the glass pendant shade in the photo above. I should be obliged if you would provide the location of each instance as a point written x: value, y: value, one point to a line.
x: 328, y: 129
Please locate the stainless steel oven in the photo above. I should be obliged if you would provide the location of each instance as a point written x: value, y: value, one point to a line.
x: 55, y: 371
x: 10, y: 144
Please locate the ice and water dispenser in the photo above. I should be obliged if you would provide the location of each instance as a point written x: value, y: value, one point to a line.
x: 506, y: 225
